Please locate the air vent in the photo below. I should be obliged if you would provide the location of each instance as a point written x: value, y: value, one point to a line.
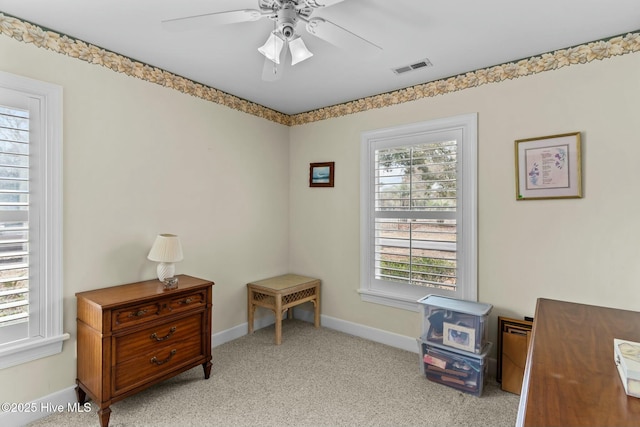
x: 421, y: 64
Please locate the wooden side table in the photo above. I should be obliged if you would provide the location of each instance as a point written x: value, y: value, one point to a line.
x: 280, y: 294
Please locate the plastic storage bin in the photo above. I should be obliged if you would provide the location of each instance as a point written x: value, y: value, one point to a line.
x: 455, y: 323
x: 456, y: 369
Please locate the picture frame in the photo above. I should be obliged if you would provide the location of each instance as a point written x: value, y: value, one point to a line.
x: 321, y: 174
x: 458, y: 336
x: 549, y: 167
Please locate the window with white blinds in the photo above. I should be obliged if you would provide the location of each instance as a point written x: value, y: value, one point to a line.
x: 418, y: 212
x: 415, y: 214
x: 30, y: 220
x: 14, y: 223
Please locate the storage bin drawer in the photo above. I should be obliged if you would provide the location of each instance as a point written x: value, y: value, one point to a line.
x: 464, y: 372
x: 455, y: 323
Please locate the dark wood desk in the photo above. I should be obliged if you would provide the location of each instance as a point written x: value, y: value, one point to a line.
x: 571, y: 378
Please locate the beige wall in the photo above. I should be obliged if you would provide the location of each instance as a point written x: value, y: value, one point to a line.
x: 141, y: 159
x: 582, y: 250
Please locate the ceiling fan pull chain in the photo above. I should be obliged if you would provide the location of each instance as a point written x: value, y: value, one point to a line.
x: 275, y: 49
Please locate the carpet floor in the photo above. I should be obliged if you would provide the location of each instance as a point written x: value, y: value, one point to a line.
x: 316, y: 377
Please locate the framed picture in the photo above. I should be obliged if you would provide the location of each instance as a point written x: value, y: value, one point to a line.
x: 321, y: 174
x: 549, y: 167
x: 458, y: 336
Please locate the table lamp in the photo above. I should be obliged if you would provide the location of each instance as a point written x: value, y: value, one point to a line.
x: 166, y: 250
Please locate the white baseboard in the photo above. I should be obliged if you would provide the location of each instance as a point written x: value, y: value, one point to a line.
x: 66, y: 399
x: 228, y: 335
x: 242, y: 329
x: 373, y: 334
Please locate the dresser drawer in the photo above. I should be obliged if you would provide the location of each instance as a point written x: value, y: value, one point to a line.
x: 187, y: 302
x: 135, y: 314
x: 134, y: 344
x: 155, y: 363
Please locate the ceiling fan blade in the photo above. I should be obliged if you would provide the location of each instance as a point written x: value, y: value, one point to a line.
x: 340, y: 37
x: 271, y: 71
x: 322, y: 3
x: 209, y: 19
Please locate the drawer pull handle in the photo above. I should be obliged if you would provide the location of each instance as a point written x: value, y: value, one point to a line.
x: 187, y: 301
x: 155, y: 360
x: 138, y: 313
x: 154, y: 336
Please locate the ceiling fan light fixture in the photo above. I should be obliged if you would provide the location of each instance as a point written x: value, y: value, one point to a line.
x: 299, y: 51
x: 272, y: 47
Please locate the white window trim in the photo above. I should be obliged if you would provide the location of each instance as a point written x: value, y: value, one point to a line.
x: 406, y: 296
x: 49, y: 341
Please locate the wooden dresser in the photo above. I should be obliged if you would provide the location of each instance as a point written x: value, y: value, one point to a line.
x: 570, y: 377
x: 136, y: 335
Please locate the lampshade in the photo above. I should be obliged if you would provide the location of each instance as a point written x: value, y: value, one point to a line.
x: 299, y: 51
x: 166, y: 248
x: 272, y: 48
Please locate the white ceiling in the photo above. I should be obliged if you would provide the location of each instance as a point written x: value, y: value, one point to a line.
x: 457, y: 36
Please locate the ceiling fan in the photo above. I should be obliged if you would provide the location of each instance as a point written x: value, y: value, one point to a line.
x: 285, y: 15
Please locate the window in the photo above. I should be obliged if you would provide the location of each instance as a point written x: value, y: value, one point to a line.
x: 418, y: 212
x: 30, y: 220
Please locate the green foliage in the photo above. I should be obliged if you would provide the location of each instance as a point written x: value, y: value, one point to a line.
x: 428, y: 173
x: 423, y: 269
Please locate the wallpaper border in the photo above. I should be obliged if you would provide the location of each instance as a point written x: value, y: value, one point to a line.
x: 30, y: 33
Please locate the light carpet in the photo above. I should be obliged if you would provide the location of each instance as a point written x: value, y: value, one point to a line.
x: 316, y: 377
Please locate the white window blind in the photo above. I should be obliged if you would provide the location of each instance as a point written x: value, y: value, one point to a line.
x: 415, y: 214
x: 14, y: 223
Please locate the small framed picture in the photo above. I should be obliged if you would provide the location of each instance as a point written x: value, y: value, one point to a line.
x: 460, y: 337
x: 549, y: 167
x: 321, y: 174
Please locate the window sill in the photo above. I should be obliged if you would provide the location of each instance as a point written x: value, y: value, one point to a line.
x: 388, y: 299
x: 29, y: 350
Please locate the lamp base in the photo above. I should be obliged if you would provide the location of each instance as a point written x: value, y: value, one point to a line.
x: 165, y: 270
x: 170, y: 283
